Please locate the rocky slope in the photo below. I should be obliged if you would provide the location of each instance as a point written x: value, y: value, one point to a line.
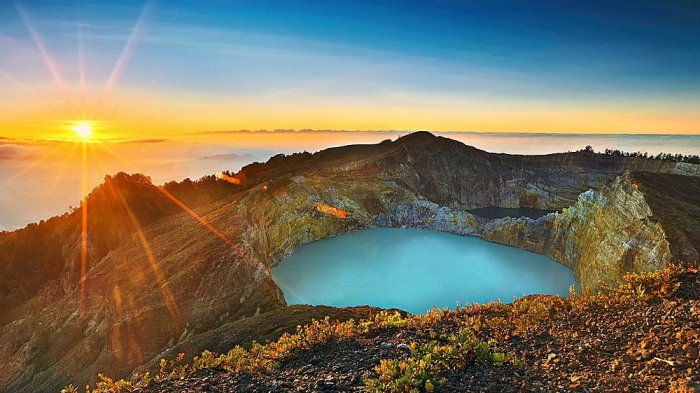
x: 170, y: 266
x: 624, y: 227
x: 643, y: 338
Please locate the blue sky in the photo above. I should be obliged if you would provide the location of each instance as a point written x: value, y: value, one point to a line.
x: 629, y: 56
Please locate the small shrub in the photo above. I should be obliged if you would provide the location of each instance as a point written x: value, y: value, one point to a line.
x: 528, y: 313
x: 422, y: 369
x: 386, y: 319
x: 429, y: 320
x: 646, y: 285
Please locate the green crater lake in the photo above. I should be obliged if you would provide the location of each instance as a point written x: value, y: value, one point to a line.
x: 414, y: 270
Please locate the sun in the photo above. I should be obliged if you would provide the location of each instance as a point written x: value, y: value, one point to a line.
x: 83, y: 130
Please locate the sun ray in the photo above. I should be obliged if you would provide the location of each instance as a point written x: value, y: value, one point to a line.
x: 168, y: 297
x: 81, y: 64
x: 112, y: 152
x: 15, y: 81
x: 84, y: 225
x: 288, y: 289
x: 116, y: 335
x: 251, y: 260
x: 125, y: 55
x: 40, y: 160
x: 48, y: 60
x: 59, y: 173
x: 134, y: 350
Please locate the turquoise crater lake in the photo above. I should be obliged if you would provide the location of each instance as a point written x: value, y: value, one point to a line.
x: 414, y: 270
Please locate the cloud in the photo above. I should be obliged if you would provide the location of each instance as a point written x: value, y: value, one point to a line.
x: 145, y: 140
x: 4, y: 141
x: 8, y: 152
x: 51, y: 141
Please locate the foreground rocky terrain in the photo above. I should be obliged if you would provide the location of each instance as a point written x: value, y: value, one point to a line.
x: 643, y: 337
x: 185, y: 266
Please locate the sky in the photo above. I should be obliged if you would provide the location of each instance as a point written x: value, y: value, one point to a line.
x: 176, y: 69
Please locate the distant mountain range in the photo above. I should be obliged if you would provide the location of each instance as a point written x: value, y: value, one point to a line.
x: 229, y: 157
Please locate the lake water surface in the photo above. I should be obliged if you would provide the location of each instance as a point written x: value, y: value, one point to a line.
x: 414, y: 270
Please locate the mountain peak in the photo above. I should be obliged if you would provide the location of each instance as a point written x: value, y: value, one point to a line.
x: 418, y: 136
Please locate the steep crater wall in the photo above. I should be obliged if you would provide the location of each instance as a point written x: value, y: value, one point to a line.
x: 603, y: 235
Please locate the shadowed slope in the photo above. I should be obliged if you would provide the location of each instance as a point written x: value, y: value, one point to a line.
x: 675, y: 201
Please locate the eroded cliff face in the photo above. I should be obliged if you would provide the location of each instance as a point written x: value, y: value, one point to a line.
x: 168, y: 279
x: 604, y: 235
x: 608, y: 233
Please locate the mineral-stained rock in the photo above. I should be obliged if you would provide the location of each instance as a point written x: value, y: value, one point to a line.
x: 167, y: 266
x: 615, y: 230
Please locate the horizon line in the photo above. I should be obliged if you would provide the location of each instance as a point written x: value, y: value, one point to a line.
x: 312, y: 130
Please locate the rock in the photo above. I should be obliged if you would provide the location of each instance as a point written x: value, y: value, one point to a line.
x: 605, y: 234
x: 322, y: 383
x: 386, y: 345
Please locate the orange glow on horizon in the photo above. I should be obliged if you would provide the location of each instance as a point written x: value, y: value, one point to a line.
x: 143, y: 115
